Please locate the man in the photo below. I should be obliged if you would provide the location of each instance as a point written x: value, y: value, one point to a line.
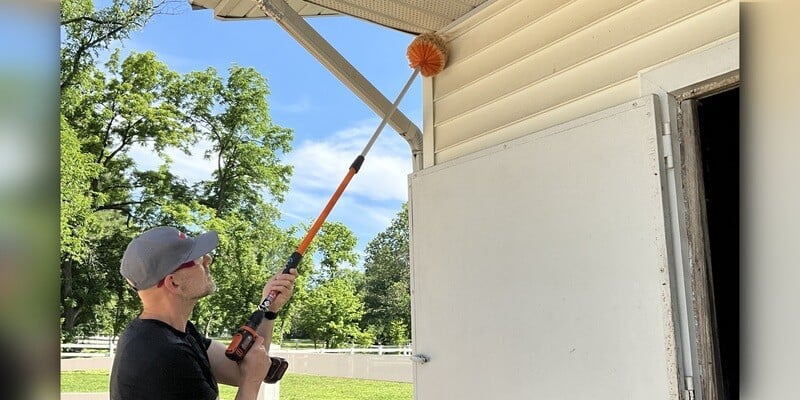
x: 161, y: 355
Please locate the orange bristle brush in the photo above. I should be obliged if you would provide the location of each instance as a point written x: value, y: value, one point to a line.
x: 428, y: 54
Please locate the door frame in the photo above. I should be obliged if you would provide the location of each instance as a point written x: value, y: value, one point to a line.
x: 679, y: 83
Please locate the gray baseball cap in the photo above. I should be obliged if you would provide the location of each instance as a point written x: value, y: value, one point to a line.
x: 157, y: 252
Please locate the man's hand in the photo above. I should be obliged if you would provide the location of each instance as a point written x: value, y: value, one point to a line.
x: 252, y: 370
x: 283, y: 284
x: 255, y: 364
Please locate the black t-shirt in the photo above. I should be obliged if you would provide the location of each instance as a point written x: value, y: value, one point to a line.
x: 14, y: 379
x: 157, y: 361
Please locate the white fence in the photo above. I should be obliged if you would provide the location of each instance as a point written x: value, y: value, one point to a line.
x: 104, y: 346
x: 379, y: 350
x: 384, y: 363
x: 397, y: 368
x: 95, y: 346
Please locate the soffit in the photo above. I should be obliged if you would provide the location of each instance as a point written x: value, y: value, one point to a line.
x: 412, y: 16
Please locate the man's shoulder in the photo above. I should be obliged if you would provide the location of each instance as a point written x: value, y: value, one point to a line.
x: 149, y: 333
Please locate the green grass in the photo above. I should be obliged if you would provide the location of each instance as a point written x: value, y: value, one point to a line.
x: 84, y: 381
x: 293, y: 387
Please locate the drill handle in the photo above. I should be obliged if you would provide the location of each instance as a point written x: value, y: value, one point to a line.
x: 243, y: 339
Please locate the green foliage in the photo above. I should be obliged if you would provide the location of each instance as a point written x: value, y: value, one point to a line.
x: 387, y: 295
x: 244, y: 260
x: 334, y: 279
x: 335, y: 243
x: 105, y: 198
x: 139, y: 103
x: 398, y: 332
x: 87, y: 31
x: 77, y: 171
x: 354, y: 277
x: 245, y: 143
x: 331, y: 314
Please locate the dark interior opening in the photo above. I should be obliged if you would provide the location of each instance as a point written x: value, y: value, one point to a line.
x: 718, y: 117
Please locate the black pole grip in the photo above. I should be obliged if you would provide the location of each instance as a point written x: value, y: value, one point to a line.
x: 292, y: 262
x: 356, y: 165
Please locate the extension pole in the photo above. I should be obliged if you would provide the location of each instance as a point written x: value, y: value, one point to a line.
x: 297, y: 256
x: 243, y: 339
x: 427, y: 54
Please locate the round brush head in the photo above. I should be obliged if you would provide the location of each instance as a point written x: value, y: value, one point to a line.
x: 428, y: 53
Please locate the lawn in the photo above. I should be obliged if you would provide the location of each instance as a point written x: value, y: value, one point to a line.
x: 84, y: 381
x: 293, y: 387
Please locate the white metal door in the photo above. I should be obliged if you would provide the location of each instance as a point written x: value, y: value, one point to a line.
x: 540, y: 266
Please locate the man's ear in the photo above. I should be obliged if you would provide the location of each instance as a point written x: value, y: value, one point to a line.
x: 170, y: 284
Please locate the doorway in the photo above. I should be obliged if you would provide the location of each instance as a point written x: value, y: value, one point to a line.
x: 710, y: 176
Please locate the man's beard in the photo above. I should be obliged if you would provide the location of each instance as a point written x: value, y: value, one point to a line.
x: 210, y: 289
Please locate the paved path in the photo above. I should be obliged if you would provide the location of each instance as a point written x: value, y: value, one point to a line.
x: 86, y: 364
x: 84, y: 396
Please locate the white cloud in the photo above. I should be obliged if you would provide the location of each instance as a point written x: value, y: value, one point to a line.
x: 367, y: 205
x: 192, y: 167
x: 322, y: 164
x: 373, y: 196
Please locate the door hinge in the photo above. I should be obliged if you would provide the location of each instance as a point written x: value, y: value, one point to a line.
x: 666, y: 141
x: 688, y: 393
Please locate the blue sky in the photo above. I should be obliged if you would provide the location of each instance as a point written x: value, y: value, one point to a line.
x: 331, y: 125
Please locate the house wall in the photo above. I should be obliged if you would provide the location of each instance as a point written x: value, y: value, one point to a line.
x: 520, y: 66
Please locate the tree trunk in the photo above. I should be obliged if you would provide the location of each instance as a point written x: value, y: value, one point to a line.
x: 70, y: 313
x: 116, y: 324
x: 208, y: 324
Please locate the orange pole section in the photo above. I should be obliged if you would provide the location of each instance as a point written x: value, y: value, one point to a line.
x: 325, y: 211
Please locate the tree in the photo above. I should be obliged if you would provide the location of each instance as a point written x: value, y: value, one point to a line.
x: 331, y: 314
x: 246, y: 145
x: 332, y: 280
x: 387, y: 296
x: 87, y: 31
x: 334, y: 243
x: 136, y: 102
x: 248, y: 182
x: 77, y: 171
x: 245, y: 258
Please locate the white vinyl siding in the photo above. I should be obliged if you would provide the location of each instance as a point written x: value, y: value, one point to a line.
x: 520, y: 66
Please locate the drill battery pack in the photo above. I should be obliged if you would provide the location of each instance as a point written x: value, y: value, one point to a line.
x: 277, y: 368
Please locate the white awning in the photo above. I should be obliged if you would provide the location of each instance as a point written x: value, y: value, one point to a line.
x: 412, y: 16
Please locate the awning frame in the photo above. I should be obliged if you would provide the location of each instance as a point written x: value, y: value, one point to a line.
x: 323, y: 51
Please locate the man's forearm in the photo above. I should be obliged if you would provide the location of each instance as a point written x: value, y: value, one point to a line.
x: 265, y: 330
x: 248, y: 391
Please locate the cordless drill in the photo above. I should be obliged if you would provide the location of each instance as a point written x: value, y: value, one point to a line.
x: 245, y: 336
